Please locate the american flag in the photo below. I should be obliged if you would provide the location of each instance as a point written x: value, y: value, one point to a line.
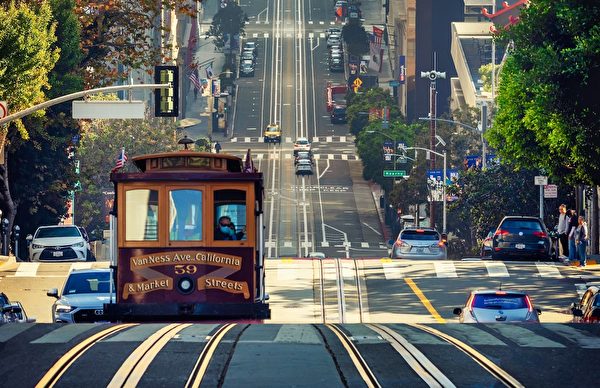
x: 194, y: 79
x: 377, y: 35
x: 121, y: 159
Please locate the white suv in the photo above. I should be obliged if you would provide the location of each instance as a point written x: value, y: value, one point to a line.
x: 59, y: 243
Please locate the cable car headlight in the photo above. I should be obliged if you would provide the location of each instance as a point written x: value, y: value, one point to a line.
x: 185, y: 285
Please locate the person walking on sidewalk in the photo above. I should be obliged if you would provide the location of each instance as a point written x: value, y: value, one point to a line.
x: 563, y: 221
x: 571, y: 228
x: 217, y: 147
x: 581, y: 239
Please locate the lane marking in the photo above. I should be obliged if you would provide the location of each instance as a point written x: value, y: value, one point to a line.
x: 27, y: 270
x: 445, y: 269
x: 417, y: 291
x: 548, y: 270
x: 496, y: 269
x: 525, y: 338
x: 475, y: 336
x: 391, y: 270
x: 582, y: 338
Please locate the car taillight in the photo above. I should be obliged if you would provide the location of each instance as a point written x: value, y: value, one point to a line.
x: 501, y: 232
x: 441, y: 244
x: 529, y: 305
x: 400, y: 243
x: 540, y: 234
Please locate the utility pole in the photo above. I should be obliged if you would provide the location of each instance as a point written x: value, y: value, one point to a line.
x: 432, y: 75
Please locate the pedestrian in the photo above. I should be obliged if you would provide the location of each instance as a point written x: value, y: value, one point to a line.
x: 581, y: 240
x: 562, y: 231
x: 571, y: 228
x: 217, y: 147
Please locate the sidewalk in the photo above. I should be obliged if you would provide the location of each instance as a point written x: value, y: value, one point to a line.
x: 205, y: 54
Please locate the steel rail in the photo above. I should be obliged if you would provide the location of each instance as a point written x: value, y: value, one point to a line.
x: 499, y: 373
x: 195, y: 378
x: 358, y: 293
x: 359, y: 362
x: 322, y: 283
x: 64, y: 363
x: 131, y: 371
x: 424, y: 368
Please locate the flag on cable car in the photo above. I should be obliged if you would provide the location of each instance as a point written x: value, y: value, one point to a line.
x: 248, y: 163
x: 121, y: 159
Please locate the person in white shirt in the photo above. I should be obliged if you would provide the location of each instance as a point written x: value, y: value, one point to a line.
x: 563, y: 222
x: 581, y: 240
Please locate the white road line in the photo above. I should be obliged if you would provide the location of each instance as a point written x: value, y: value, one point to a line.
x: 580, y: 337
x: 342, y: 139
x: 392, y: 271
x: 329, y: 139
x: 287, y: 244
x: 474, y: 336
x: 524, y: 337
x: 27, y: 270
x: 496, y: 269
x: 548, y: 270
x: 370, y: 227
x: 364, y: 244
x: 445, y: 269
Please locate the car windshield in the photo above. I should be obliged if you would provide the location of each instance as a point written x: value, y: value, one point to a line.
x: 303, y: 155
x: 87, y: 283
x: 302, y: 142
x: 58, y: 232
x: 419, y: 235
x: 515, y: 226
x: 272, y: 129
x: 500, y: 302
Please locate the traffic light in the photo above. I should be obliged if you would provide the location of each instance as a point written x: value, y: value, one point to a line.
x: 166, y: 100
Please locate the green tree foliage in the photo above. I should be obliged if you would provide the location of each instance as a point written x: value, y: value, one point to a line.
x: 355, y: 37
x: 101, y: 144
x: 41, y: 174
x: 27, y: 55
x: 486, y: 196
x: 227, y: 22
x: 359, y: 104
x: 548, y: 113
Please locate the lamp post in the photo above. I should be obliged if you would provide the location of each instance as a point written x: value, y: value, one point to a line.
x: 432, y: 75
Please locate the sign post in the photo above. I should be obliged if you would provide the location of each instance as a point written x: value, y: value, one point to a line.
x: 541, y: 181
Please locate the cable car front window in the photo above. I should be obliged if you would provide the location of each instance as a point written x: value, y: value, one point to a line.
x: 230, y: 209
x: 185, y: 215
x: 141, y: 215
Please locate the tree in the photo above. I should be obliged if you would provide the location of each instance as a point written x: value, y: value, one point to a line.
x: 548, y: 111
x: 228, y: 22
x: 41, y: 174
x: 359, y: 104
x: 116, y: 39
x: 101, y: 143
x: 356, y: 38
x: 27, y: 55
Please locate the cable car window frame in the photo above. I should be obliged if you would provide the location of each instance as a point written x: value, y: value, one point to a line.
x: 168, y: 187
x: 122, y: 200
x: 250, y: 236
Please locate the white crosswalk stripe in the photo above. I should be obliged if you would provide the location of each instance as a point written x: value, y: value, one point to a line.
x: 316, y: 139
x: 548, y: 270
x: 580, y: 337
x: 525, y: 338
x: 445, y: 269
x: 27, y: 270
x: 496, y: 269
x: 392, y: 270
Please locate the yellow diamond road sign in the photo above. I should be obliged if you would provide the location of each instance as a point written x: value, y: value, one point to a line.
x: 357, y: 82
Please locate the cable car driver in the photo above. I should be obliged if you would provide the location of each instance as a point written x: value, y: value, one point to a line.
x: 226, y: 230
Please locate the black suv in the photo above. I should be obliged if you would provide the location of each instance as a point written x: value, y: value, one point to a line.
x: 338, y: 114
x: 521, y: 237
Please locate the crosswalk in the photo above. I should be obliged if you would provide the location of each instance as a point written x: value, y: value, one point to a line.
x: 288, y: 139
x: 289, y: 156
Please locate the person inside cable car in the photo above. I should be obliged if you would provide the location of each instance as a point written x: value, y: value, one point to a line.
x: 226, y: 230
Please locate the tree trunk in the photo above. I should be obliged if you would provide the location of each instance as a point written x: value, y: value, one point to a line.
x: 8, y: 206
x: 594, y: 233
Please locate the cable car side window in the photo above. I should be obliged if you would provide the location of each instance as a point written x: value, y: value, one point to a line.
x: 185, y: 215
x: 230, y: 215
x: 141, y: 215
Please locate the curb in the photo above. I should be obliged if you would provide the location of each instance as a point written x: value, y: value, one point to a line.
x: 384, y: 228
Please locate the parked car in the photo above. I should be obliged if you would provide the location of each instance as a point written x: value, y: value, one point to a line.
x: 247, y: 69
x: 333, y: 31
x: 251, y: 46
x: 248, y: 56
x: 419, y: 243
x: 303, y: 155
x: 521, y: 237
x: 487, y: 244
x: 301, y: 144
x: 12, y: 311
x: 588, y: 308
x: 338, y: 114
x: 490, y: 306
x: 304, y: 167
x: 334, y: 40
x: 272, y: 134
x: 83, y: 296
x: 59, y: 243
x: 336, y: 66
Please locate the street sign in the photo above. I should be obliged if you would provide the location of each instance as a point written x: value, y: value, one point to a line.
x: 357, y: 82
x: 550, y: 191
x: 393, y: 173
x: 109, y: 109
x: 540, y: 180
x: 394, y: 83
